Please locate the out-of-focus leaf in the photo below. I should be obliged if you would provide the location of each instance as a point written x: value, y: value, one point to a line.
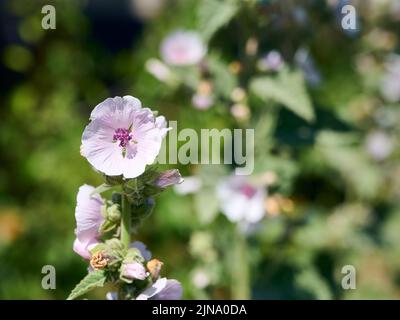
x: 206, y: 205
x: 288, y: 89
x: 350, y: 161
x: 310, y: 280
x: 224, y: 80
x: 213, y: 14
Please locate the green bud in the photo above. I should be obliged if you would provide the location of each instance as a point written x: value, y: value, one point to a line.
x: 113, y: 213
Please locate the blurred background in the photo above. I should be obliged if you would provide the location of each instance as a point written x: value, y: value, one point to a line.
x: 324, y: 102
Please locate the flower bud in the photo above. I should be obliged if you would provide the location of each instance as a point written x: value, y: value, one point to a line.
x: 168, y: 178
x: 134, y: 270
x: 113, y: 213
x: 154, y: 266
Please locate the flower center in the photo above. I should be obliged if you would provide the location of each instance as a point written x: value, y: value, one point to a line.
x: 248, y: 191
x: 123, y: 136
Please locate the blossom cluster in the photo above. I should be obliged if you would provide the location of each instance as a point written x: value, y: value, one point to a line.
x: 122, y: 142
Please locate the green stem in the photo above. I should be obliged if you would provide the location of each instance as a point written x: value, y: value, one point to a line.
x: 125, y: 221
x: 240, y: 282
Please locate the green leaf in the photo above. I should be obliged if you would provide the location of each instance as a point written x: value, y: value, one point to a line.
x: 92, y: 280
x: 224, y: 80
x: 214, y: 14
x: 206, y: 205
x: 287, y: 88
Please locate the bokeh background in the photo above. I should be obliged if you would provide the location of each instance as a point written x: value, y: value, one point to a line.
x: 327, y: 136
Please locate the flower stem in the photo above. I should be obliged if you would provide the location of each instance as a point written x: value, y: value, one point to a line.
x: 125, y: 221
x: 240, y: 282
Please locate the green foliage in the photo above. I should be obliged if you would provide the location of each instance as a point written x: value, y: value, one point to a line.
x: 287, y: 88
x: 214, y: 14
x: 93, y: 279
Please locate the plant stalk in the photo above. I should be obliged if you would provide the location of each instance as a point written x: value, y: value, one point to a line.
x: 125, y: 221
x: 240, y: 282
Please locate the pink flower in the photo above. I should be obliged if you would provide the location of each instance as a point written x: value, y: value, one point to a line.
x: 88, y: 220
x: 272, y: 61
x: 122, y: 137
x: 182, y: 48
x: 162, y: 289
x: 168, y: 178
x: 202, y: 101
x: 160, y: 71
x: 146, y: 254
x: 133, y: 270
x: 241, y: 201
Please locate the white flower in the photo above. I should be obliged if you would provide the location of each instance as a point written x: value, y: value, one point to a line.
x: 122, y: 137
x: 241, y: 201
x: 182, y: 48
x: 162, y: 289
x: 189, y: 185
x: 390, y: 85
x: 271, y: 61
x: 88, y: 220
x: 379, y: 145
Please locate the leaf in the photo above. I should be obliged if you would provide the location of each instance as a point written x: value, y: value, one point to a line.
x: 206, y: 205
x: 93, y: 279
x: 224, y: 80
x: 288, y: 89
x: 214, y: 14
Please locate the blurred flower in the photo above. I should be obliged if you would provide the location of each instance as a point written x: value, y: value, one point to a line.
x: 189, y: 185
x: 238, y: 94
x: 379, y: 145
x: 134, y: 270
x: 200, y: 279
x: 146, y: 254
x: 235, y: 67
x: 240, y: 200
x: 168, y: 178
x: 390, y: 85
x: 306, y: 63
x: 240, y: 112
x: 202, y: 101
x: 300, y: 15
x: 276, y: 204
x: 147, y: 9
x: 160, y: 71
x: 271, y: 61
x: 182, y: 48
x: 162, y: 289
x: 88, y: 220
x: 11, y: 225
x: 251, y: 46
x: 122, y: 137
x: 381, y: 39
